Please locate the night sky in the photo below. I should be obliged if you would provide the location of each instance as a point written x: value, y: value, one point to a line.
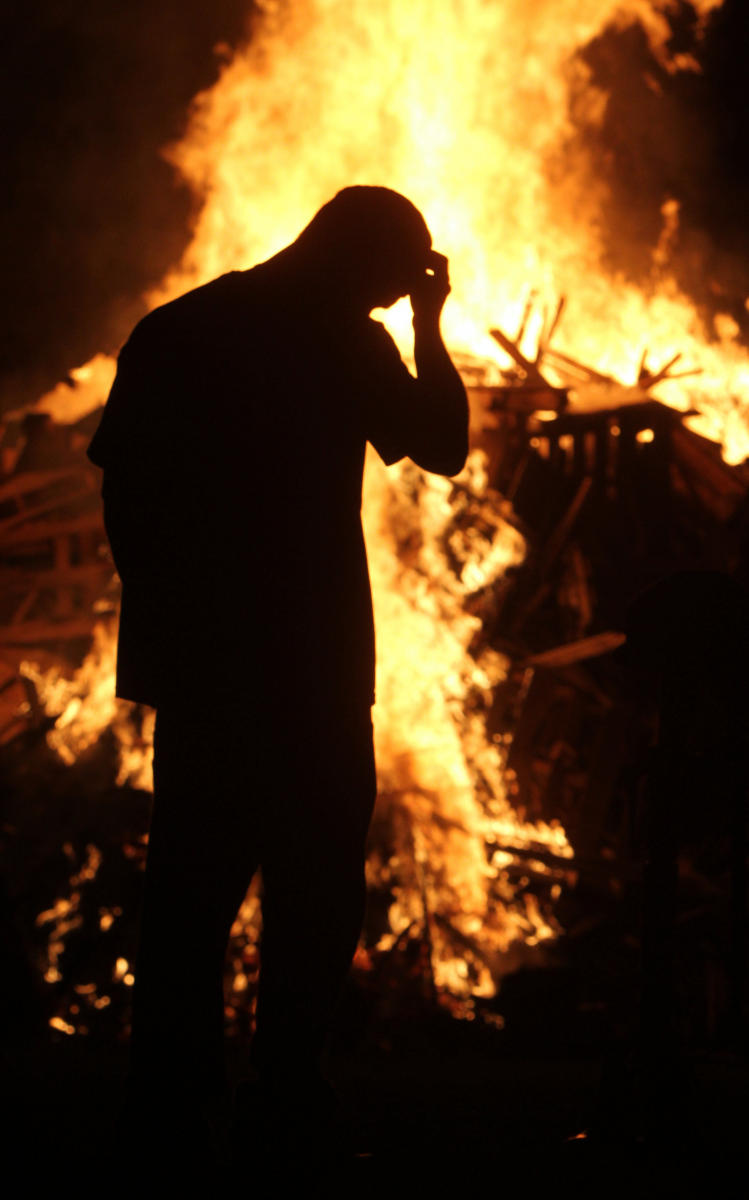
x: 93, y: 215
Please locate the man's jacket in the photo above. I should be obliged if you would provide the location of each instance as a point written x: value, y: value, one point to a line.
x: 232, y: 446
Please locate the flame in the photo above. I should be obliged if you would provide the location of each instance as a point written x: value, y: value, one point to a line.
x: 467, y: 109
x: 464, y: 110
x: 84, y: 390
x: 84, y: 706
x: 435, y: 761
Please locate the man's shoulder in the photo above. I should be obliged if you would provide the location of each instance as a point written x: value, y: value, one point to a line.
x: 380, y: 347
x: 380, y: 338
x: 193, y: 305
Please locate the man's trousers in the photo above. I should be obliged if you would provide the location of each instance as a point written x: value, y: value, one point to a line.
x: 239, y: 787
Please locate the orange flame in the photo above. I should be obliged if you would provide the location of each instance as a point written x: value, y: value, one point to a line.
x: 463, y: 108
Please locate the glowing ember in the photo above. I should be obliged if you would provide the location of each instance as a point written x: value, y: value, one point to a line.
x: 61, y: 1026
x: 64, y: 917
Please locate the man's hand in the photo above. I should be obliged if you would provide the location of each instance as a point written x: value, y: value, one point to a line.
x: 430, y: 292
x: 439, y: 438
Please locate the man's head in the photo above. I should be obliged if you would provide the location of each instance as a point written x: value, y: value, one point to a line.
x: 370, y: 242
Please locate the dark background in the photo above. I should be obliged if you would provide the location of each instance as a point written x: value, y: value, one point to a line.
x: 92, y: 214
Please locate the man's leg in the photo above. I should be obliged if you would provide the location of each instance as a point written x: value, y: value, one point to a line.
x: 202, y: 854
x: 312, y: 858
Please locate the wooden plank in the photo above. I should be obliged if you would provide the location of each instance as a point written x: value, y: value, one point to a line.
x: 573, y: 652
x: 23, y: 577
x: 64, y: 606
x: 529, y: 398
x: 43, y: 530
x: 562, y: 531
x: 526, y: 314
x: 25, y: 607
x: 34, y: 481
x: 650, y: 380
x: 52, y: 502
x: 30, y: 633
x: 547, y: 555
x: 587, y: 372
x: 549, y: 333
x: 531, y: 370
x: 702, y: 458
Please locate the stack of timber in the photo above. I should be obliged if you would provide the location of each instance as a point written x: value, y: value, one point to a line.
x: 614, y: 493
x: 56, y: 574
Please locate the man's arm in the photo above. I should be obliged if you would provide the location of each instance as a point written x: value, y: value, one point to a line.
x: 425, y: 419
x: 440, y: 436
x: 137, y: 459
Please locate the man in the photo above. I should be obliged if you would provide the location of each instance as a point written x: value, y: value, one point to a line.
x: 233, y: 448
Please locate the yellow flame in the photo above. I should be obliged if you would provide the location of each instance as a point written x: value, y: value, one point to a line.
x: 430, y: 722
x: 464, y: 108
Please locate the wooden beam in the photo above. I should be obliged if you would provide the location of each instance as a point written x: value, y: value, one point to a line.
x: 531, y: 370
x: 32, y: 632
x: 34, y: 481
x: 23, y: 577
x: 573, y: 652
x: 41, y: 531
x: 52, y: 502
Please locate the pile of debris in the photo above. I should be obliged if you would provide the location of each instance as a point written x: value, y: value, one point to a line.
x: 613, y: 493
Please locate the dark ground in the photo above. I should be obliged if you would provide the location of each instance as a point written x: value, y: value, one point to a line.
x: 437, y: 1099
x: 454, y: 1105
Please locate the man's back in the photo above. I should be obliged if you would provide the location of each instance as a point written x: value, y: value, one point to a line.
x: 233, y: 447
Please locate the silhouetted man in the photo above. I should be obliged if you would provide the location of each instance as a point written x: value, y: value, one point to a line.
x: 233, y: 447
